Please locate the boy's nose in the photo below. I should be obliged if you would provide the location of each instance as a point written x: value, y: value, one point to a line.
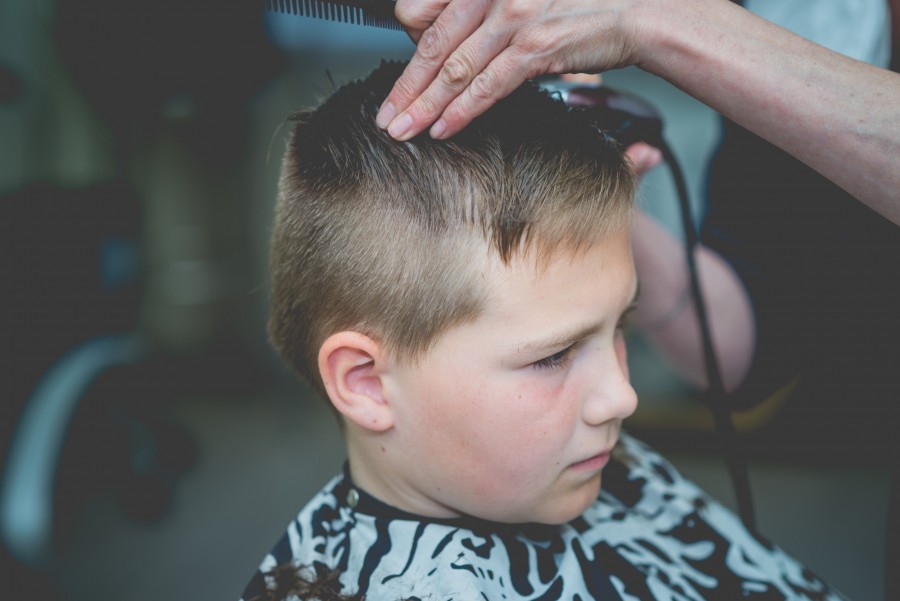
x: 613, y: 400
x: 611, y: 397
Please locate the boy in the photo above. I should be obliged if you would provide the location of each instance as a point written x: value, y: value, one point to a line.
x: 459, y: 304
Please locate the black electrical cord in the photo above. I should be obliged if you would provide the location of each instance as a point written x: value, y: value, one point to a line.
x: 716, y: 395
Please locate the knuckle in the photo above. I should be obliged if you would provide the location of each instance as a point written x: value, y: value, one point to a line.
x: 483, y: 86
x: 432, y: 43
x: 456, y: 71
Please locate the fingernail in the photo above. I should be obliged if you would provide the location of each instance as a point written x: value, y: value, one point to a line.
x: 386, y: 114
x: 438, y: 129
x: 400, y: 126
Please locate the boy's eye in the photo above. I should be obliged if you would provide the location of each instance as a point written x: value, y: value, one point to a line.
x: 554, y: 361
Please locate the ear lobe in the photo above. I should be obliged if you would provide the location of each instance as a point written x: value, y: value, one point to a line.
x: 351, y: 365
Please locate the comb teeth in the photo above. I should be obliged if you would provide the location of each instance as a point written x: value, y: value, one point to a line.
x: 374, y: 13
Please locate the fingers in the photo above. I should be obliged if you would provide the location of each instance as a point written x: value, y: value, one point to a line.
x: 465, y: 79
x: 503, y: 75
x: 470, y: 53
x: 449, y: 31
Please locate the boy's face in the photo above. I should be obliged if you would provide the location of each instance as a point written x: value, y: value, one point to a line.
x: 511, y: 417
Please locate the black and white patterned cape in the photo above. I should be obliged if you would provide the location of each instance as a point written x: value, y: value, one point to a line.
x: 651, y: 534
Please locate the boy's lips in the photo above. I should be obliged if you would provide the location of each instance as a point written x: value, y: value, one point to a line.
x: 592, y: 463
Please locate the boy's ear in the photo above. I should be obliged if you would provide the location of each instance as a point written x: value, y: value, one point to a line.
x: 352, y: 365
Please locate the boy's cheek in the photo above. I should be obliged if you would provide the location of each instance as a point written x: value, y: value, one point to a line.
x: 538, y: 399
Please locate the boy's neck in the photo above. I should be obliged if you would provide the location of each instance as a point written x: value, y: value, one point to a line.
x: 376, y: 471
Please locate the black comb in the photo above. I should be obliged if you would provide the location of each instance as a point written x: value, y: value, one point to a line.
x: 375, y: 13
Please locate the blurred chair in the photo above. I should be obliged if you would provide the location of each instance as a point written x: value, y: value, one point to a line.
x: 72, y: 361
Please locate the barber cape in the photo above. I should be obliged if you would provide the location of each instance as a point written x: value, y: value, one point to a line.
x: 650, y: 534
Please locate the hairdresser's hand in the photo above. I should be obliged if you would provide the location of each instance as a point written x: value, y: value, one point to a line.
x: 473, y: 52
x: 813, y: 103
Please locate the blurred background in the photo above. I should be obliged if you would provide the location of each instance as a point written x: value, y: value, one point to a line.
x: 152, y: 445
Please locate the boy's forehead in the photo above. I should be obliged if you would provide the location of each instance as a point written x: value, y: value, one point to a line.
x: 530, y: 307
x: 533, y: 272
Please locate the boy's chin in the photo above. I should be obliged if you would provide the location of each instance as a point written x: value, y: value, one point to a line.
x: 565, y: 510
x: 558, y: 518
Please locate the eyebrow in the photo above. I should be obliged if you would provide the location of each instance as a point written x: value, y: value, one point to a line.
x: 567, y: 339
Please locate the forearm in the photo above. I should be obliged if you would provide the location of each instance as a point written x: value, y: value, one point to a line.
x: 839, y: 116
x: 666, y: 313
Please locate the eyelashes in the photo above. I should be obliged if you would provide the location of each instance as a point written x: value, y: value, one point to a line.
x: 559, y: 359
x: 556, y: 360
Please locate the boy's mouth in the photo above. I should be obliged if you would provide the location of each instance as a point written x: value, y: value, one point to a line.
x: 595, y: 462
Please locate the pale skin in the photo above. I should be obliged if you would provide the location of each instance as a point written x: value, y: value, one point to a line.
x: 839, y: 116
x: 510, y: 417
x: 666, y: 313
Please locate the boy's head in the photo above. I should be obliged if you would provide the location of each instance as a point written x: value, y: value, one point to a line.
x: 457, y: 301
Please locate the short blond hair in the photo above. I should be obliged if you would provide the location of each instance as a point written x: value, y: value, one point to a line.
x: 379, y: 237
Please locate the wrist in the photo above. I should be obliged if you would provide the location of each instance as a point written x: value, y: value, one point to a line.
x: 645, y: 34
x: 654, y: 23
x: 678, y: 34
